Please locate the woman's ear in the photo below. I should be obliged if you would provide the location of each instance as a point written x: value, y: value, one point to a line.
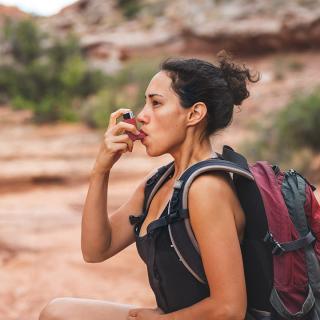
x: 196, y: 113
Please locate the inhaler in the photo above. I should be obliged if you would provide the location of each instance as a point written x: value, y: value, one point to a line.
x: 129, y: 118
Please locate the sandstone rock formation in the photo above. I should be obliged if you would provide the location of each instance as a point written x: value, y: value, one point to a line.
x: 181, y: 26
x: 12, y: 13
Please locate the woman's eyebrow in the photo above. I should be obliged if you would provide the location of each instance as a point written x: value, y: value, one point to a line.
x: 151, y: 95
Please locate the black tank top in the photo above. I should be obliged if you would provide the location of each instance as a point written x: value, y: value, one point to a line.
x: 173, y: 285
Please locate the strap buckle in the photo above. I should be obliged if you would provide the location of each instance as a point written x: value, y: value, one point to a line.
x: 172, y: 217
x: 277, y: 249
x: 178, y: 185
x: 135, y: 219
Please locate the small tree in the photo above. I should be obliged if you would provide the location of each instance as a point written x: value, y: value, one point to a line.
x: 24, y: 39
x: 49, y: 80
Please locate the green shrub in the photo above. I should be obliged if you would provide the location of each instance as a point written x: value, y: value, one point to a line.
x: 49, y: 80
x: 289, y: 137
x: 126, y: 89
x: 24, y: 39
x: 130, y: 8
x: 62, y: 50
x: 96, y: 110
x: 299, y: 122
x: 57, y: 83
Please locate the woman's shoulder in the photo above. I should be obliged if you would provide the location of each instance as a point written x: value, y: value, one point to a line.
x: 212, y: 182
x: 212, y: 197
x: 211, y: 194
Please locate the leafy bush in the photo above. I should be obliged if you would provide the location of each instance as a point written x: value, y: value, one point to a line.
x: 290, y: 137
x: 57, y: 84
x: 299, y: 122
x: 130, y: 8
x: 49, y: 80
x: 126, y: 89
x: 24, y: 39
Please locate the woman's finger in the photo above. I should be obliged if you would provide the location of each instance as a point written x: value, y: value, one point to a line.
x: 124, y: 126
x: 116, y: 147
x: 123, y: 138
x: 115, y: 115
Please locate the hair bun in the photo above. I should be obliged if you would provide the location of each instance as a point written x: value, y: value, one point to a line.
x: 236, y: 77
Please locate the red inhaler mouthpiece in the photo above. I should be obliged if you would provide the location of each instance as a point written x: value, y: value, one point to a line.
x: 129, y: 118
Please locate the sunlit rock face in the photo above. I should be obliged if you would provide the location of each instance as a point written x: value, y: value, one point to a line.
x: 111, y: 32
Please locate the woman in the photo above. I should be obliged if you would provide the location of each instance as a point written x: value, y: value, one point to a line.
x: 187, y: 101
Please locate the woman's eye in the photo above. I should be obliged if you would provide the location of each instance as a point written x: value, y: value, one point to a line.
x: 155, y: 103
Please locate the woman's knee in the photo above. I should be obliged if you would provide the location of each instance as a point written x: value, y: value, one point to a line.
x: 56, y: 309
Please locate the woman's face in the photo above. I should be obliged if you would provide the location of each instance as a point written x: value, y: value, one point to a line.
x: 163, y: 118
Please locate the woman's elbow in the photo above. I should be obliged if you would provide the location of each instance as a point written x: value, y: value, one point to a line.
x: 228, y: 312
x: 234, y: 314
x: 91, y: 258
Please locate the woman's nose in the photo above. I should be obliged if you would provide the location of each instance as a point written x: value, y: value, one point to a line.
x: 141, y: 117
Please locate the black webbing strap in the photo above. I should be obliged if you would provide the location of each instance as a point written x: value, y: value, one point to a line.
x: 280, y: 248
x: 167, y: 219
x: 151, y: 183
x: 135, y: 219
x: 230, y: 155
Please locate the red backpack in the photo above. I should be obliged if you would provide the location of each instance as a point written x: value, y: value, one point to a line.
x: 281, y: 246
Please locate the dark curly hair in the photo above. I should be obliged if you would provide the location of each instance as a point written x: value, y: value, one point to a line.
x: 218, y: 87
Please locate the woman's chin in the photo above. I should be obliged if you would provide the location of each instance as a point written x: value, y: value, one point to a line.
x: 151, y: 152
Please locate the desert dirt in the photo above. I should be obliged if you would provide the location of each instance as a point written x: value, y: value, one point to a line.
x: 43, y: 183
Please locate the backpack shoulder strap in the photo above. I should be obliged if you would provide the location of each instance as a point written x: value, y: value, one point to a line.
x: 155, y: 182
x: 191, y: 173
x: 179, y: 201
x: 151, y: 187
x: 230, y: 155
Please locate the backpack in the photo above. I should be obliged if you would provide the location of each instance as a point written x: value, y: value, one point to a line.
x: 281, y: 245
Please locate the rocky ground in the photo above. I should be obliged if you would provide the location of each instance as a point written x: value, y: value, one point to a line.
x: 43, y: 182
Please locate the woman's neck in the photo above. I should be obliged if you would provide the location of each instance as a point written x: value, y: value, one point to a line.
x: 190, y: 153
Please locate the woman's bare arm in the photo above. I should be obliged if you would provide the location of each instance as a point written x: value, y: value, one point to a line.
x: 100, y: 237
x: 103, y: 236
x: 95, y: 226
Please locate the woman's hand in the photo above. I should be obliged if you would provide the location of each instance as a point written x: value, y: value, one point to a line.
x: 115, y: 143
x: 144, y: 314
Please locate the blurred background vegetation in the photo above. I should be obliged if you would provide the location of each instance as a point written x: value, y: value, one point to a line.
x: 52, y: 78
x: 290, y: 136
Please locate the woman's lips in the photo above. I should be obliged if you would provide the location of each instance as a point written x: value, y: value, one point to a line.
x: 142, y: 134
x: 135, y: 137
x: 141, y: 131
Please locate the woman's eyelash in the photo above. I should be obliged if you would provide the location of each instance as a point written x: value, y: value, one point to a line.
x: 154, y: 102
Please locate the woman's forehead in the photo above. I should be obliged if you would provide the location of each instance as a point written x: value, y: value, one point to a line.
x: 160, y: 84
